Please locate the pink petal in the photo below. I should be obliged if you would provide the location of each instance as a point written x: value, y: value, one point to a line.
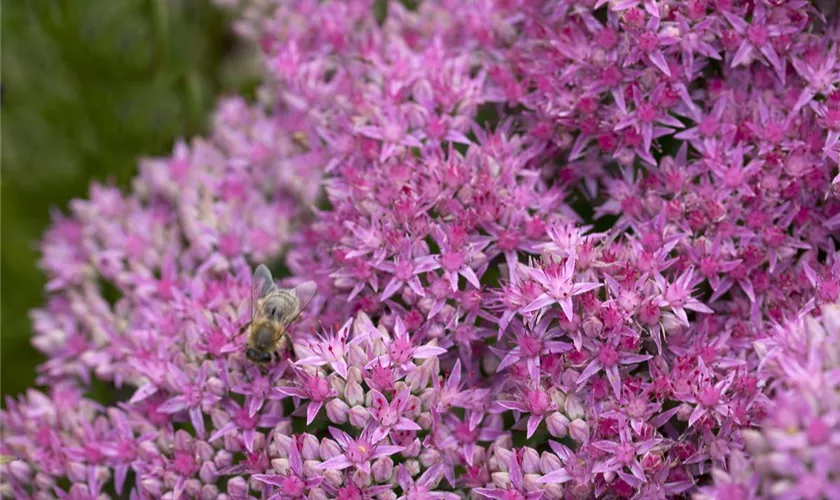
x: 744, y: 52
x: 538, y: 303
x: 614, y: 377
x: 698, y: 412
x: 405, y: 424
x: 393, y: 286
x: 338, y: 462
x: 533, y: 422
x: 558, y: 476
x: 427, y: 351
x: 658, y: 59
x: 385, y: 450
x: 471, y: 277
x: 509, y: 360
x: 593, y: 368
x: 143, y: 392
x: 312, y: 411
x: 566, y: 305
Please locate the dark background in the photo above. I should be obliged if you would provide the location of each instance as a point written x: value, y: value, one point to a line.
x: 88, y: 87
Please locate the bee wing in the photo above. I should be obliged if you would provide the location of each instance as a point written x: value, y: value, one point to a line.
x: 303, y: 294
x: 262, y: 285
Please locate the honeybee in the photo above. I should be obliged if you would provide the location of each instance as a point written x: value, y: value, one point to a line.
x: 273, y: 310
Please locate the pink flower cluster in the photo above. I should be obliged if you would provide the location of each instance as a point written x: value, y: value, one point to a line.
x: 553, y: 243
x: 796, y: 451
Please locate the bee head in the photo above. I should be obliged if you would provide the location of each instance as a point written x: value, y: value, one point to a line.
x: 257, y: 356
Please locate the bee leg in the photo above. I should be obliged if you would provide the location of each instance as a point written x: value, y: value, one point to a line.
x: 244, y: 327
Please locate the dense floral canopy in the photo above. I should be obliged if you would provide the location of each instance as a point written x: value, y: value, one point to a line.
x: 563, y: 249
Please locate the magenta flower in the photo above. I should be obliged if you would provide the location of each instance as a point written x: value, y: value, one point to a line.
x: 330, y: 350
x: 531, y: 346
x: 360, y: 451
x: 559, y: 286
x: 609, y: 359
x: 401, y: 352
x: 536, y: 402
x: 389, y: 415
x: 439, y: 171
x: 294, y: 484
x: 516, y: 490
x: 315, y: 388
x: 677, y: 296
x: 423, y: 486
x: 405, y: 270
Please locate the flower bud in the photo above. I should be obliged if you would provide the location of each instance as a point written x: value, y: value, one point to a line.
x: 573, y: 407
x: 43, y: 481
x: 779, y: 489
x: 76, y: 472
x: 353, y: 393
x: 530, y: 482
x: 424, y: 420
x: 413, y: 408
x: 592, y: 327
x: 152, y: 486
x: 530, y: 461
x: 569, y: 378
x: 412, y: 467
x: 356, y: 357
x: 558, y: 425
x: 361, y: 479
x: 192, y: 487
x: 79, y: 490
x: 311, y: 447
x: 501, y: 479
x: 334, y: 477
x: 429, y: 457
x: 754, y: 441
x: 237, y: 487
x: 434, y: 330
x: 670, y: 323
x: 223, y: 459
x: 579, y: 431
x: 233, y: 442
x: 318, y: 494
x: 359, y: 416
x: 502, y: 457
x: 208, y: 472
x: 281, y: 465
x: 170, y: 479
x: 412, y: 449
x: 337, y: 411
x: 558, y: 397
x: 684, y: 413
x: 549, y: 462
x: 209, y: 492
x: 328, y: 449
x: 204, y: 450
x: 382, y: 469
x: 337, y: 383
x: 21, y: 471
x: 553, y: 491
x: 215, y: 386
x: 310, y: 468
x: 418, y: 378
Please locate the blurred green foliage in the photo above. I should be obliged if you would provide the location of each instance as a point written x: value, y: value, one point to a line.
x: 88, y: 87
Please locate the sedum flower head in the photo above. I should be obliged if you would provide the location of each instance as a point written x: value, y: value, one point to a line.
x: 553, y: 243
